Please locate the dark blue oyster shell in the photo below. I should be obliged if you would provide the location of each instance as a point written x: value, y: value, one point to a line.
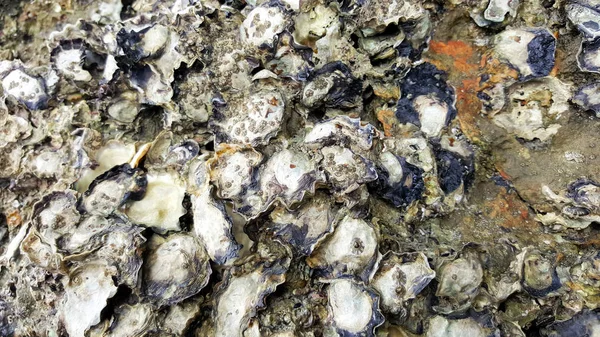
x: 424, y: 80
x: 586, y: 323
x: 401, y: 194
x: 345, y: 91
x: 540, y: 54
x: 453, y: 170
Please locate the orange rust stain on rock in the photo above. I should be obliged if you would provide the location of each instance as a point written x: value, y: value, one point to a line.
x: 13, y: 219
x: 465, y: 64
x: 508, y: 211
x: 387, y: 118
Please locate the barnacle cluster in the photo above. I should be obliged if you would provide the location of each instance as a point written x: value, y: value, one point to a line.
x: 300, y: 168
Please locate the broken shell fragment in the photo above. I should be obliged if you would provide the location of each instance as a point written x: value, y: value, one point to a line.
x: 175, y: 268
x: 354, y: 309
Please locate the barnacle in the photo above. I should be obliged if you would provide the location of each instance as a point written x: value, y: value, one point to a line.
x: 299, y: 168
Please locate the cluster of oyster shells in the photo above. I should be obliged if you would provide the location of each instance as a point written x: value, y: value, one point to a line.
x: 297, y: 168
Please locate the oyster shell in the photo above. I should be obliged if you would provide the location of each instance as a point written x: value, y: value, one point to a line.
x: 346, y: 170
x: 353, y: 308
x: 530, y: 51
x: 303, y: 228
x: 240, y: 294
x: 587, y: 98
x: 428, y: 105
x: 89, y: 287
x: 263, y: 24
x: 443, y: 327
x: 263, y: 114
x: 28, y: 89
x: 212, y: 224
x: 132, y: 320
x: 110, y: 190
x: 175, y: 268
x: 459, y: 283
x: 350, y: 250
x: 398, y: 280
x: 68, y: 59
x: 539, y: 275
x: 161, y: 206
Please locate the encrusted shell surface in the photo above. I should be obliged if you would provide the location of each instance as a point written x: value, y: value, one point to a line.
x: 350, y: 250
x: 27, y: 89
x: 398, y: 281
x: 175, y: 268
x: 241, y: 295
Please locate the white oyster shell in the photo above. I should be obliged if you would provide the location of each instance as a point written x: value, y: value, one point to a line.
x: 459, y: 283
x: 125, y: 107
x: 27, y: 89
x: 161, y: 206
x: 534, y: 106
x: 342, y: 130
x: 68, y: 60
x: 212, y: 224
x: 89, y: 287
x: 346, y: 170
x: 353, y: 309
x: 287, y: 176
x: 132, y: 320
x: 397, y: 281
x: 258, y: 121
x: 176, y: 268
x: 240, y: 297
x: 113, y: 153
x: 262, y: 25
x: 350, y: 250
x: 305, y: 227
x: 512, y: 47
x: 443, y: 327
x: 586, y: 18
x: 433, y: 114
x: 233, y: 169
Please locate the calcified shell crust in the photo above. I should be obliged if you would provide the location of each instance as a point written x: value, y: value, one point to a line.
x: 286, y: 168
